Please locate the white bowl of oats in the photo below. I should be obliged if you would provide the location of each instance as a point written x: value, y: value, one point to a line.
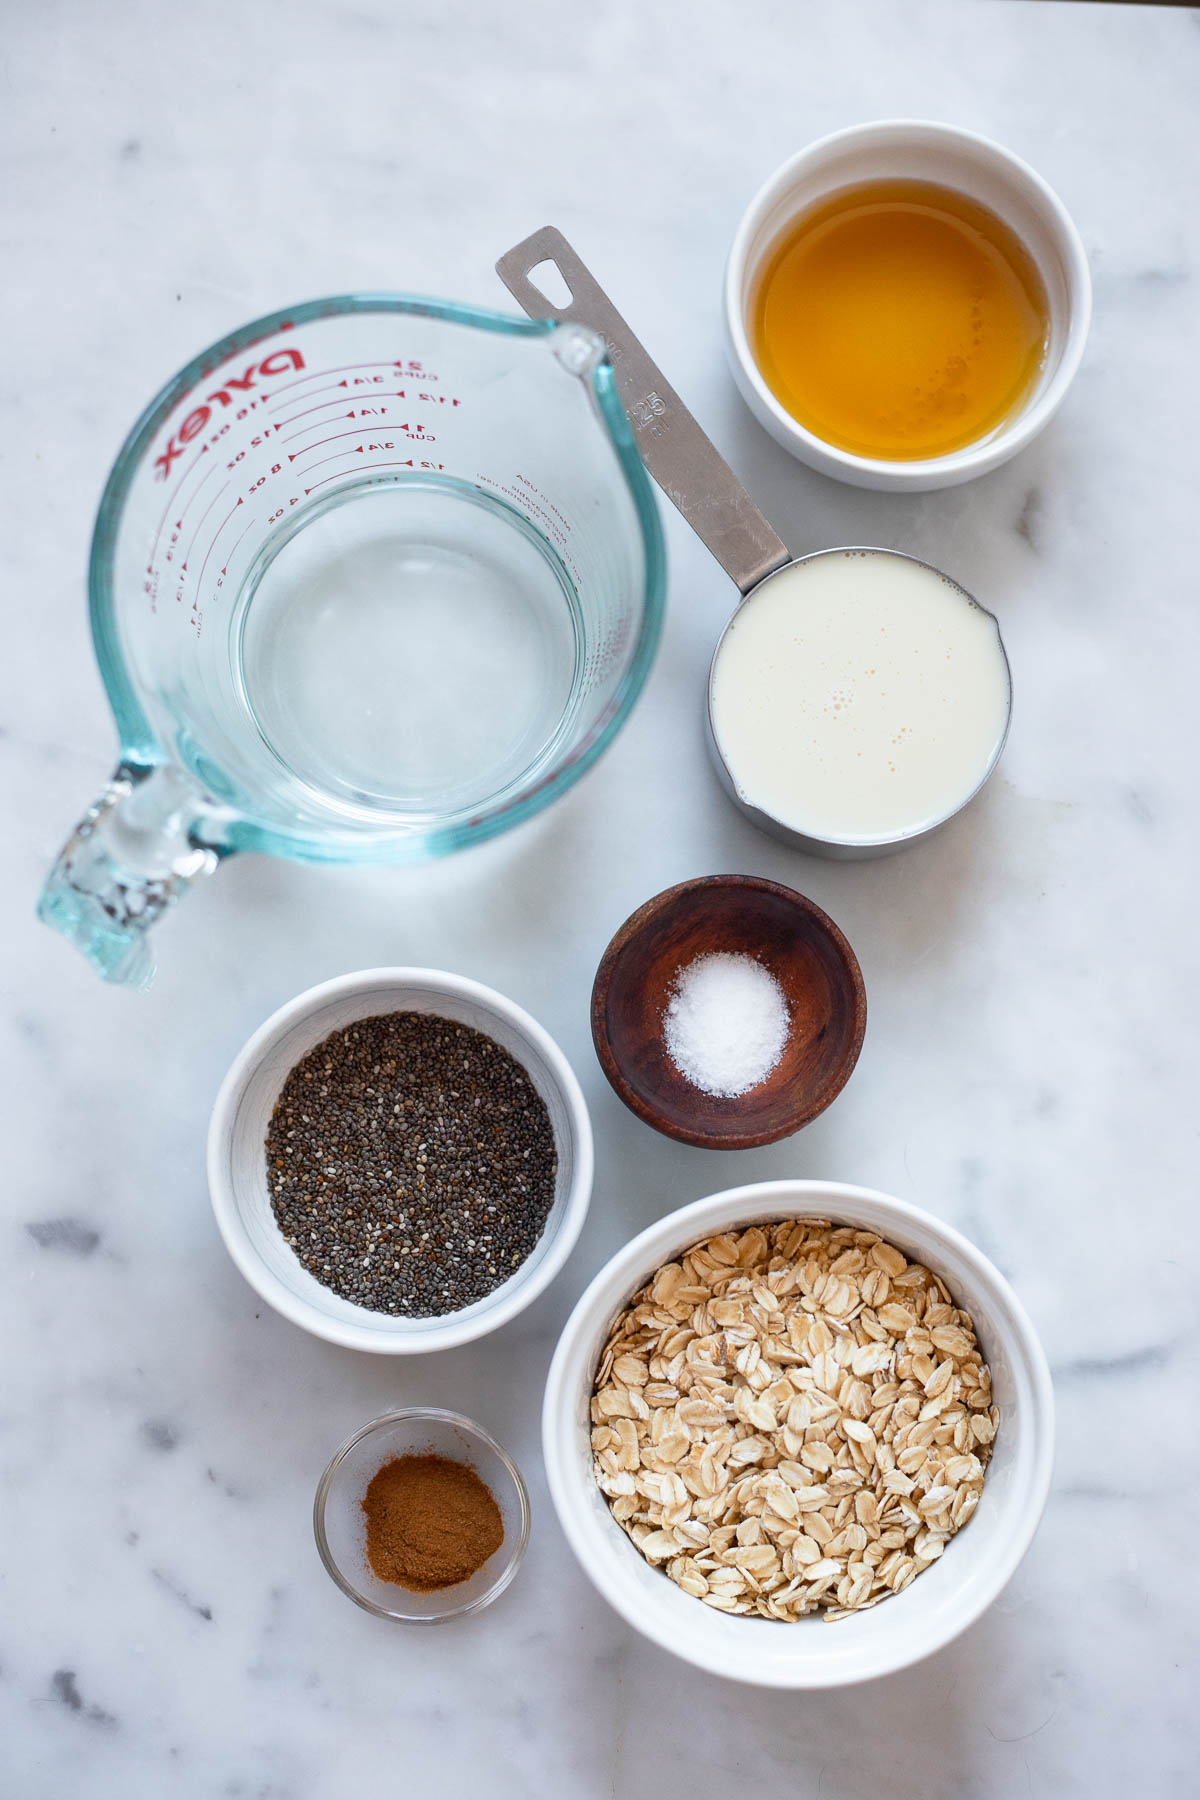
x: 799, y: 1433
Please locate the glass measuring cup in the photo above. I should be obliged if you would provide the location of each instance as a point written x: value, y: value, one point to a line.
x: 698, y: 481
x: 371, y: 579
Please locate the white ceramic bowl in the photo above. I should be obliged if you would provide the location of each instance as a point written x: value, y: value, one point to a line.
x: 237, y: 1169
x: 941, y: 1602
x: 916, y: 150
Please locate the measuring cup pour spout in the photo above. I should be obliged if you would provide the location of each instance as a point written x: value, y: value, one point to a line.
x: 131, y: 856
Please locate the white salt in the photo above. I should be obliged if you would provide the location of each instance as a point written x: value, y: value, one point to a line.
x: 726, y: 1023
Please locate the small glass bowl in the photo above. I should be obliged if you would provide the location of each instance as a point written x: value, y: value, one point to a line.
x: 340, y: 1526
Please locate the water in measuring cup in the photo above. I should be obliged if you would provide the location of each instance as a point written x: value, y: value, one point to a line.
x: 409, y: 648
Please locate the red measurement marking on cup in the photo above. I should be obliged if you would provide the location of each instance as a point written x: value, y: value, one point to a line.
x: 200, y: 526
x: 240, y: 501
x: 303, y: 414
x: 392, y: 362
x: 177, y: 529
x: 200, y: 416
x: 170, y: 506
x: 333, y: 388
x: 293, y: 454
x: 166, y: 510
x: 408, y: 463
x: 357, y: 432
x: 358, y: 450
x: 364, y: 449
x: 317, y: 426
x: 419, y: 436
x: 387, y: 394
x: 234, y: 551
x: 342, y: 389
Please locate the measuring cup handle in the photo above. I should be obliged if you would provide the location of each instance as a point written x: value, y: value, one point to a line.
x: 682, y: 459
x: 129, y: 859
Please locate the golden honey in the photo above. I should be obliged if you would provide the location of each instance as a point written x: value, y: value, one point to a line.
x: 899, y: 320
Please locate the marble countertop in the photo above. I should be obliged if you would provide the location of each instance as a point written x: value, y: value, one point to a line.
x: 1030, y: 1063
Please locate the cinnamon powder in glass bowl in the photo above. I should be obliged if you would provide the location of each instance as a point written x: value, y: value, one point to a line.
x: 421, y: 1516
x: 431, y: 1522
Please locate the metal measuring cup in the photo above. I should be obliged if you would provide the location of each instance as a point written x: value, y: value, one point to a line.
x: 699, y: 482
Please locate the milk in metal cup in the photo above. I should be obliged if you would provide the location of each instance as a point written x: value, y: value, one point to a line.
x: 859, y: 696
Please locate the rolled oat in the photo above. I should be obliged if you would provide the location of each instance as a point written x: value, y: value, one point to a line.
x: 792, y: 1419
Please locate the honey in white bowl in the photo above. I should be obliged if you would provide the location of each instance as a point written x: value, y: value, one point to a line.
x: 899, y: 320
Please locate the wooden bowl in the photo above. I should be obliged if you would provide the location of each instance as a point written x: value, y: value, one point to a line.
x: 790, y: 936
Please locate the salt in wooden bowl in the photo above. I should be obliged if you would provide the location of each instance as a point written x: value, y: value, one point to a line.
x: 792, y: 938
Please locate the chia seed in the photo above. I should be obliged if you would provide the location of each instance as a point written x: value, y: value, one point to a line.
x: 411, y: 1164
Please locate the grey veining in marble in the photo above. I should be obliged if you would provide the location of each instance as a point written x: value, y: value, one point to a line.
x: 1030, y: 1063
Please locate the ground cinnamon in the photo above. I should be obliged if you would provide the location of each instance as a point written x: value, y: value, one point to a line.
x: 431, y: 1522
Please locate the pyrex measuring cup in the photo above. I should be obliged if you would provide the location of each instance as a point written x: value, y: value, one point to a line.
x: 370, y: 579
x: 696, y: 478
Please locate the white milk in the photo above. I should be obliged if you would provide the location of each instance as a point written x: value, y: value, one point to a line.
x: 859, y: 696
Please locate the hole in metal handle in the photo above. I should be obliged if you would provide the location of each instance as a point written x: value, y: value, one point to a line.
x: 548, y: 280
x: 674, y: 447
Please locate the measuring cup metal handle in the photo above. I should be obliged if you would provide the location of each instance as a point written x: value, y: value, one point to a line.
x: 128, y: 860
x: 682, y: 459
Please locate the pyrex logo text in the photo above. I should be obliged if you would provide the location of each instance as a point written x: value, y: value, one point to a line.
x: 197, y: 419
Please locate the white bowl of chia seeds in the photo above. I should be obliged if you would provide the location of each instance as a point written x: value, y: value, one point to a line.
x: 400, y: 1160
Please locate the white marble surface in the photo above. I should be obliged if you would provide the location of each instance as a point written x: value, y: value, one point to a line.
x: 1029, y: 1069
